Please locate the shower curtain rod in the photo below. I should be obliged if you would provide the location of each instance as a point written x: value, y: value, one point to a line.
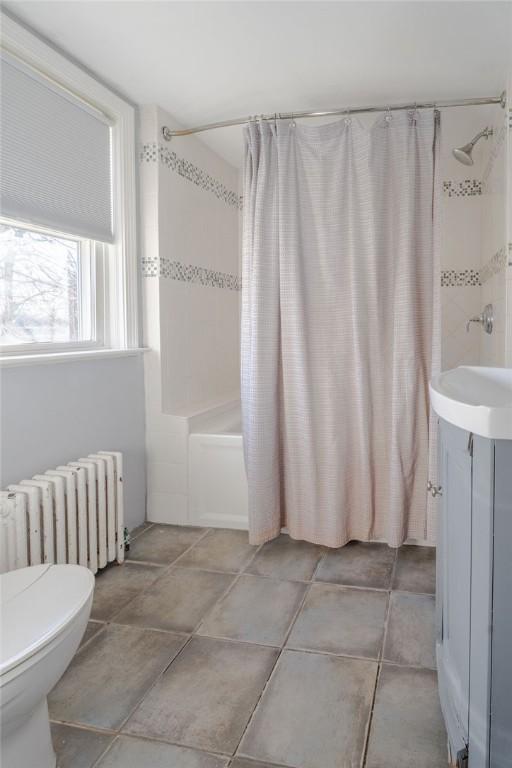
x: 168, y: 134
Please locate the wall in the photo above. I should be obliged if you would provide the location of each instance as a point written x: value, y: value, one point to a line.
x: 190, y: 209
x: 494, y: 249
x: 56, y: 412
x: 473, y: 239
x: 508, y: 330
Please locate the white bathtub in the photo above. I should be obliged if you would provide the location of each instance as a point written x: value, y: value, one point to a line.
x: 217, y: 480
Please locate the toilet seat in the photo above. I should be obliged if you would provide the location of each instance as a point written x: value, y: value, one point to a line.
x: 36, y: 604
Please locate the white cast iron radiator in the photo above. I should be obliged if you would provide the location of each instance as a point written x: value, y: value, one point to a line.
x: 71, y: 514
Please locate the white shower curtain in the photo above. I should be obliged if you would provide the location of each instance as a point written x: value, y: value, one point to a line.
x: 340, y: 330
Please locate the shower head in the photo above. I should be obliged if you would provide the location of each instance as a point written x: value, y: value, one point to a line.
x: 465, y: 154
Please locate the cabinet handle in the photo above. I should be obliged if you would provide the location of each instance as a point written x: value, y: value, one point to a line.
x: 434, y: 490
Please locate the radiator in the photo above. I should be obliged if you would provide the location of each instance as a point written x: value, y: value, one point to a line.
x: 70, y: 514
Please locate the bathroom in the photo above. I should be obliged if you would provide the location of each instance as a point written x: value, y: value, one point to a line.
x: 255, y: 384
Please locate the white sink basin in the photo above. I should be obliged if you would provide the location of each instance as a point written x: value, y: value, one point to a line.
x: 475, y: 398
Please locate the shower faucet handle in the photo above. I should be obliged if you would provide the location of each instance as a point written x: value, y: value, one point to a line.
x: 486, y: 319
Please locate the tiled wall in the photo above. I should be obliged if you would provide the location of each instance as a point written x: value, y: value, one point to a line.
x: 190, y: 209
x: 473, y: 237
x: 494, y: 250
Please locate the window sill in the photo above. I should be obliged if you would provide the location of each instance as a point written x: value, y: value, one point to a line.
x: 11, y: 361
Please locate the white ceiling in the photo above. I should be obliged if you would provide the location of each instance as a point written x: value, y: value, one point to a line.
x: 208, y: 61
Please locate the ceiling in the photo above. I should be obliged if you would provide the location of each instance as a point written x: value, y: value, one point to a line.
x: 209, y: 61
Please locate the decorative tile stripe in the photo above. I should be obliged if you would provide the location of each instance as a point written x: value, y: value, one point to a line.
x: 495, y: 264
x: 466, y: 188
x: 150, y: 267
x: 452, y: 278
x: 190, y: 273
x: 154, y: 152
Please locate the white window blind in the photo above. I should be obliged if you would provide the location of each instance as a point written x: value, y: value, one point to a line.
x: 55, y: 155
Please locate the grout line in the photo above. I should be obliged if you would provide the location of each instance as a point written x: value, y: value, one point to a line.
x: 369, y: 722
x: 164, y: 570
x: 147, y: 527
x: 161, y: 740
x: 84, y: 727
x: 296, y: 615
x: 98, y: 632
x: 107, y: 749
x: 214, y: 605
x: 258, y: 700
x: 157, y: 679
x: 281, y: 651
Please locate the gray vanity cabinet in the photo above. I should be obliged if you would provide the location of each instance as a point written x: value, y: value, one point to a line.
x: 474, y: 597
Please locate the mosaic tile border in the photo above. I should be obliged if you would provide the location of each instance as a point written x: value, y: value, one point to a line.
x: 152, y: 153
x: 190, y: 273
x: 496, y: 264
x: 453, y: 278
x: 466, y: 188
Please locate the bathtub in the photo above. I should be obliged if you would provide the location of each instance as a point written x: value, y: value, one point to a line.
x: 217, y: 480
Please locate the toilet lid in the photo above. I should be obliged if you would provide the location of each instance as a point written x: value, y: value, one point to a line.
x: 36, y: 603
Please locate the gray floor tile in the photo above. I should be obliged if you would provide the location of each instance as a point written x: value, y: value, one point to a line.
x: 128, y: 752
x: 119, y: 584
x: 415, y: 569
x: 206, y: 696
x: 162, y: 544
x: 221, y: 551
x: 93, y: 627
x: 256, y: 610
x: 77, y: 747
x: 341, y: 620
x: 407, y: 726
x: 138, y: 530
x: 177, y: 601
x: 286, y: 558
x: 411, y: 631
x: 109, y: 676
x: 313, y: 713
x: 241, y: 762
x: 358, y: 564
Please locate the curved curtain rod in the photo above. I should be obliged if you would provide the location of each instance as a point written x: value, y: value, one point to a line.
x: 168, y: 134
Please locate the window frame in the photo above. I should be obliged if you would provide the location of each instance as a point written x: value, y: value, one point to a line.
x: 118, y: 281
x: 92, y: 267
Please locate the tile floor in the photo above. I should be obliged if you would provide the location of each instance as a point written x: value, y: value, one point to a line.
x: 205, y: 652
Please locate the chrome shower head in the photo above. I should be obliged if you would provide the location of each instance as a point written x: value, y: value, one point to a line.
x: 465, y: 154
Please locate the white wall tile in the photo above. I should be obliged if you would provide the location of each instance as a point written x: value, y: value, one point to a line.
x: 167, y: 508
x: 167, y: 478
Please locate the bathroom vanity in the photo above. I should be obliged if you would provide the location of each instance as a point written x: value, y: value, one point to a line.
x: 474, y: 563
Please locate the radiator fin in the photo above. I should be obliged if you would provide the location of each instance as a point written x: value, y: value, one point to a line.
x: 70, y: 514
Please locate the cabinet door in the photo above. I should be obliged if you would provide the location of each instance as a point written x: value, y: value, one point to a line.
x: 454, y: 572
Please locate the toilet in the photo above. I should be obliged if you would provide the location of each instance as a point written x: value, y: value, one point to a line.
x: 43, y: 613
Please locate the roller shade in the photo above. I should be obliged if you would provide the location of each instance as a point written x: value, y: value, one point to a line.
x: 55, y: 155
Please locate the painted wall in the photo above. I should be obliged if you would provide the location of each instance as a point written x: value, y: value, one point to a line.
x: 191, y: 287
x: 57, y: 412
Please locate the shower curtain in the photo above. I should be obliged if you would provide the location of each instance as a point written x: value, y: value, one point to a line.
x: 340, y: 329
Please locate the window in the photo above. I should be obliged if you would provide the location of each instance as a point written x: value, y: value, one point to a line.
x: 68, y: 246
x: 47, y: 289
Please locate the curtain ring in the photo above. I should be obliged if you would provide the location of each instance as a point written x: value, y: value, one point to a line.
x: 348, y: 119
x: 292, y: 124
x: 389, y: 116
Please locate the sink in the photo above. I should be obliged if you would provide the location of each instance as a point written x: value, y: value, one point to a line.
x: 475, y: 398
